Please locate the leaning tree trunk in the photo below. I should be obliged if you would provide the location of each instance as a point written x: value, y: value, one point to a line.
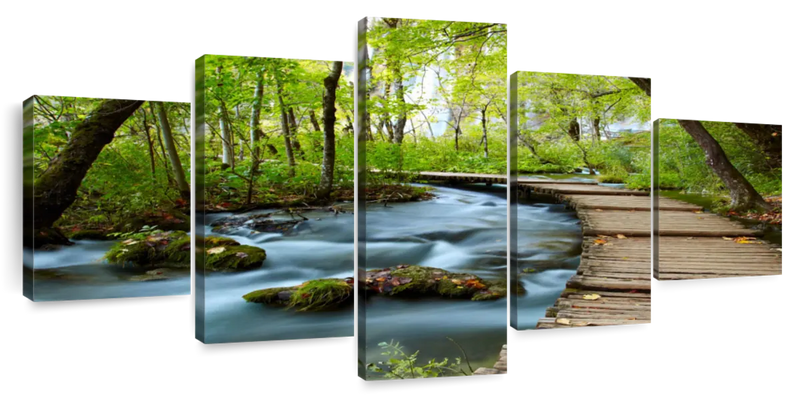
x: 328, y: 122
x: 743, y: 195
x: 57, y: 187
x: 643, y: 83
x: 314, y: 123
x: 227, y: 137
x: 174, y: 159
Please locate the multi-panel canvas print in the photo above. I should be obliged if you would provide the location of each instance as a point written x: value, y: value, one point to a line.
x: 718, y: 212
x: 580, y: 214
x: 275, y: 224
x: 106, y: 198
x: 432, y: 198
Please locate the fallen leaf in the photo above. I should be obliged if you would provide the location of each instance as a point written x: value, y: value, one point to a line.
x: 216, y: 250
x: 698, y: 211
x: 129, y: 242
x: 600, y: 241
x: 599, y: 210
x: 727, y: 239
x: 456, y: 281
x: 591, y: 296
x: 562, y: 321
x: 620, y: 236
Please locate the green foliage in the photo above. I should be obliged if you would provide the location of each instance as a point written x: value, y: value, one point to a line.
x: 399, y: 365
x: 682, y: 163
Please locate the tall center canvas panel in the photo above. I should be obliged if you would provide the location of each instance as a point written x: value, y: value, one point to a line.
x: 432, y: 198
x: 275, y: 223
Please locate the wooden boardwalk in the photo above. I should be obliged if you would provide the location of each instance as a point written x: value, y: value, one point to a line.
x: 501, y: 367
x: 612, y: 284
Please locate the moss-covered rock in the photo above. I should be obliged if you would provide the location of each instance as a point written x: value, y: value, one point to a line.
x: 172, y: 249
x: 234, y: 258
x: 165, y: 249
x: 418, y: 281
x: 314, y: 295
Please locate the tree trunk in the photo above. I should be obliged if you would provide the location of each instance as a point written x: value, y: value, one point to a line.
x: 313, y: 118
x: 255, y: 119
x: 287, y: 135
x: 329, y: 122
x: 768, y: 140
x: 743, y: 196
x: 224, y: 128
x: 643, y: 83
x: 293, y: 129
x: 574, y: 130
x: 57, y: 187
x: 174, y: 159
x: 163, y: 156
x: 485, y: 136
x: 596, y: 124
x: 149, y: 145
x: 400, y: 126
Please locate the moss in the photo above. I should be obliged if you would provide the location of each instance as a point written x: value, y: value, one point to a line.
x: 179, y: 250
x: 97, y: 235
x: 612, y: 178
x: 321, y: 294
x: 234, y: 258
x: 155, y: 249
x: 268, y: 296
x: 314, y: 295
x: 214, y: 241
x: 417, y: 281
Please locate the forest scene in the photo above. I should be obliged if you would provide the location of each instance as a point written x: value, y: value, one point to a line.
x: 583, y: 137
x: 275, y: 222
x: 729, y: 168
x: 597, y: 126
x: 107, y: 189
x: 432, y: 98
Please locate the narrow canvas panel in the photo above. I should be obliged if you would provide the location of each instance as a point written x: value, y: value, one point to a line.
x: 106, y: 198
x: 432, y: 198
x: 581, y: 235
x: 719, y: 206
x: 275, y: 225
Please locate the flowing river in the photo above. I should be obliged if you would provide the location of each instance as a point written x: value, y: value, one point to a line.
x: 79, y: 272
x: 462, y: 230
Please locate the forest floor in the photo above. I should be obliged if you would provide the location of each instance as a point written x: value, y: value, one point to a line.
x: 774, y: 216
x: 279, y: 200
